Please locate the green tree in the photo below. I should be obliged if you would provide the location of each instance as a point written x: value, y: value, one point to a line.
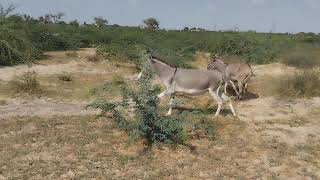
x: 6, y: 11
x: 186, y: 28
x: 57, y: 17
x: 74, y: 23
x: 151, y: 23
x: 100, y: 21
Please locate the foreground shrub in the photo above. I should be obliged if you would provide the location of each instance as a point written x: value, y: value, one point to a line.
x: 147, y: 123
x: 301, y: 61
x: 26, y: 83
x: 300, y: 84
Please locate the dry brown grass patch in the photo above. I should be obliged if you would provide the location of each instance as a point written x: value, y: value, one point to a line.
x: 64, y: 76
x: 72, y: 54
x: 300, y: 84
x: 93, y: 58
x: 301, y: 60
x: 3, y: 102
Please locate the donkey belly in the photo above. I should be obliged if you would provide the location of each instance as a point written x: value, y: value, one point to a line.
x: 191, y: 91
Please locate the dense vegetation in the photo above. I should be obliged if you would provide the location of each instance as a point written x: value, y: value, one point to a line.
x: 23, y: 38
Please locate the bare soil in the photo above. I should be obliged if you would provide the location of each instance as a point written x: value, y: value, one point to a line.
x: 52, y: 136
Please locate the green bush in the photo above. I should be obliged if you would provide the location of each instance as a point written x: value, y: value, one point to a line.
x: 15, y: 48
x: 301, y: 60
x: 26, y: 83
x: 148, y: 123
x: 8, y: 55
x: 300, y: 84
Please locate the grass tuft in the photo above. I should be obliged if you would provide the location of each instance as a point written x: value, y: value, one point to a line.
x: 26, y: 83
x: 73, y: 54
x: 93, y: 58
x: 300, y: 84
x: 65, y: 77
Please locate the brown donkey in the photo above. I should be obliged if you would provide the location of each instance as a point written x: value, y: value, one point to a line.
x: 240, y: 72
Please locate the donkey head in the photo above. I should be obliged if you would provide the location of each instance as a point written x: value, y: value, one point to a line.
x: 216, y: 64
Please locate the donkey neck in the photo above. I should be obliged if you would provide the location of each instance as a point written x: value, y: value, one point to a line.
x: 221, y: 67
x: 164, y: 71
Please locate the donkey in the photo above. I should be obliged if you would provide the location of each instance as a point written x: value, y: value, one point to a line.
x: 240, y: 72
x: 188, y: 81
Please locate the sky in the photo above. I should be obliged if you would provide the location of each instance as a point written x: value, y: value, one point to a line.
x: 259, y: 15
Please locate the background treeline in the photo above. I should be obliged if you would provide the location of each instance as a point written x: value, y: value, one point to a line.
x: 24, y: 38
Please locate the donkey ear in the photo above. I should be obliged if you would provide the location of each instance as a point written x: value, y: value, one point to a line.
x: 152, y: 60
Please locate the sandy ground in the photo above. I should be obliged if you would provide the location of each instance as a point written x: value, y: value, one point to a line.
x: 270, y: 122
x: 42, y: 107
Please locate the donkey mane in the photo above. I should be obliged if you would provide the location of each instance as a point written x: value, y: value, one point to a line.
x: 163, y: 61
x: 216, y: 58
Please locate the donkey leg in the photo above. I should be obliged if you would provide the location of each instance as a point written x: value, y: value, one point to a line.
x: 245, y: 88
x: 139, y: 76
x: 225, y: 87
x: 170, y: 90
x: 216, y: 96
x: 171, y: 105
x: 240, y: 84
x: 227, y: 99
x: 234, y: 87
x: 164, y: 93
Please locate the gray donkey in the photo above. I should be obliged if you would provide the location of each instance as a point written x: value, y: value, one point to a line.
x: 189, y: 81
x: 240, y: 72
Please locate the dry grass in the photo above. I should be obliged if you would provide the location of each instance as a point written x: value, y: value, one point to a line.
x: 77, y: 89
x: 64, y: 76
x: 85, y: 147
x: 73, y: 54
x: 3, y: 102
x: 301, y: 84
x: 93, y: 58
x: 301, y: 60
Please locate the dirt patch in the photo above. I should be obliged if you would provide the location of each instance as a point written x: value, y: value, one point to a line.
x: 58, y: 62
x: 43, y: 107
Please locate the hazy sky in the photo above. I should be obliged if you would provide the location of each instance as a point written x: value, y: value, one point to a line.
x: 260, y: 15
